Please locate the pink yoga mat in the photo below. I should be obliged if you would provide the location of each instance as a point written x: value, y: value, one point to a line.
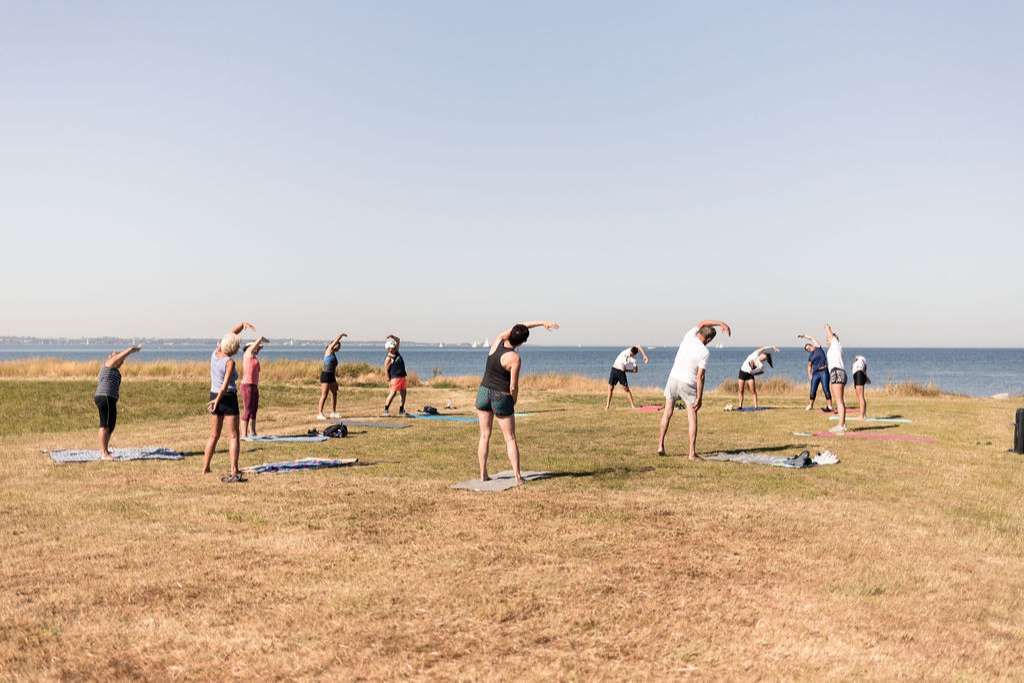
x: 648, y: 409
x: 879, y: 436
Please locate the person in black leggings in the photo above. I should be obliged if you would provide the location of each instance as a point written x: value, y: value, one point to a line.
x: 499, y: 390
x: 108, y: 390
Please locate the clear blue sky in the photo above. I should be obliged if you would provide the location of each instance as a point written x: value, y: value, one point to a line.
x: 443, y: 169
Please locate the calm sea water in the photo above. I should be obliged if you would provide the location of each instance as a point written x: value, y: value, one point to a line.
x: 977, y: 372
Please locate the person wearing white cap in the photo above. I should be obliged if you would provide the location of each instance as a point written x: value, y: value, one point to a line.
x: 394, y: 369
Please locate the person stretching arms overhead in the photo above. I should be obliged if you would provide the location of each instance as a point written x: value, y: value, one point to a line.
x: 499, y: 391
x: 251, y: 383
x: 108, y: 390
x: 686, y: 380
x: 624, y: 362
x: 837, y: 375
x: 329, y: 377
x: 223, y: 405
x: 752, y: 367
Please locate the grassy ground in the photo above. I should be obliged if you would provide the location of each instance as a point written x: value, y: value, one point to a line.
x: 905, y: 560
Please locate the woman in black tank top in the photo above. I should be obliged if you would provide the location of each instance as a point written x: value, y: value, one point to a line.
x: 499, y: 390
x: 394, y: 367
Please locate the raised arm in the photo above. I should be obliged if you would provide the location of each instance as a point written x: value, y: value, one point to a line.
x: 335, y: 342
x: 808, y: 338
x: 768, y: 348
x: 829, y: 334
x: 256, y: 346
x: 643, y: 353
x: 116, y: 360
x: 716, y: 323
x: 546, y: 324
x: 237, y: 329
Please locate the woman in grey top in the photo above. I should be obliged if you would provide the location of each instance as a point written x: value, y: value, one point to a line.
x: 223, y: 405
x: 108, y: 390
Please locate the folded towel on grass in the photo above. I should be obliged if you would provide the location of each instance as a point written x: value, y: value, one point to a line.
x: 499, y: 482
x: 120, y: 454
x: 795, y: 462
x: 304, y: 464
x: 282, y: 438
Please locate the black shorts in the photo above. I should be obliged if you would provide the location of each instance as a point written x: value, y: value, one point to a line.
x: 108, y: 411
x: 328, y: 378
x: 227, y: 405
x: 745, y: 376
x: 860, y: 378
x: 618, y: 377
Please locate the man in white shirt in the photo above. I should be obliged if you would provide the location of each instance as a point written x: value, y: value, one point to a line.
x: 624, y: 362
x: 686, y: 380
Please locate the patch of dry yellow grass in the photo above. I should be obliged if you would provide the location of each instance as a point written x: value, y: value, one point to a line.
x: 901, y: 562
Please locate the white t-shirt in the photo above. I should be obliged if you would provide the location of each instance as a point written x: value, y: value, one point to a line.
x: 753, y: 364
x: 625, y: 361
x: 860, y: 364
x: 835, y: 355
x: 691, y: 356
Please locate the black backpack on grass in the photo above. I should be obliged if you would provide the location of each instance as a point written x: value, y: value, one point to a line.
x: 338, y: 431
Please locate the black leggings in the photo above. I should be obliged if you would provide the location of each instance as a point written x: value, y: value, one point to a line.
x: 108, y: 411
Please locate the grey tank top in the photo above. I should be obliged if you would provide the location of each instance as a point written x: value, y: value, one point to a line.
x: 109, y: 383
x: 218, y: 368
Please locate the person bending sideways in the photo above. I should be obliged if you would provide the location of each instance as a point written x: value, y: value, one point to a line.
x: 251, y: 383
x: 108, y: 390
x: 686, y: 380
x: 836, y: 376
x: 817, y: 372
x: 860, y: 378
x: 624, y: 362
x: 329, y: 377
x: 753, y: 366
x: 499, y: 391
x: 223, y: 405
x: 394, y: 369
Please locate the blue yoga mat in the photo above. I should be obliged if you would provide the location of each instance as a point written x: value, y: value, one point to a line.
x: 276, y: 438
x: 455, y: 418
x: 120, y: 455
x: 295, y: 465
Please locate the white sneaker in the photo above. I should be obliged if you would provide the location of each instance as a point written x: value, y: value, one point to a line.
x: 322, y: 417
x: 838, y: 429
x: 335, y: 414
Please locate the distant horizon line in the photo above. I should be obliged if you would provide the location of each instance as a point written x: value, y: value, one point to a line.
x: 14, y: 340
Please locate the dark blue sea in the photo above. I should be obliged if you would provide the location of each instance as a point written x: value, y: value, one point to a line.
x: 976, y: 372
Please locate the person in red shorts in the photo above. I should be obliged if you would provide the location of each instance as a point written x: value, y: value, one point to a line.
x: 251, y: 383
x: 394, y: 368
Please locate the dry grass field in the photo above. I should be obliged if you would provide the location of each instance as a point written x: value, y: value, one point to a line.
x: 905, y: 560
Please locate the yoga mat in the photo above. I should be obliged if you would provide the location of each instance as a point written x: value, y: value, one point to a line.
x: 455, y: 418
x: 371, y: 424
x: 795, y: 462
x: 648, y: 409
x: 282, y: 438
x: 303, y: 464
x: 878, y: 436
x: 502, y: 481
x: 120, y: 454
x: 747, y: 409
x: 894, y: 420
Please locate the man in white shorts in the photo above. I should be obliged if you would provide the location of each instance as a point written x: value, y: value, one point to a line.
x: 686, y: 380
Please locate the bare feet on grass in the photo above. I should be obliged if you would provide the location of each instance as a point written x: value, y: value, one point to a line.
x: 106, y: 456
